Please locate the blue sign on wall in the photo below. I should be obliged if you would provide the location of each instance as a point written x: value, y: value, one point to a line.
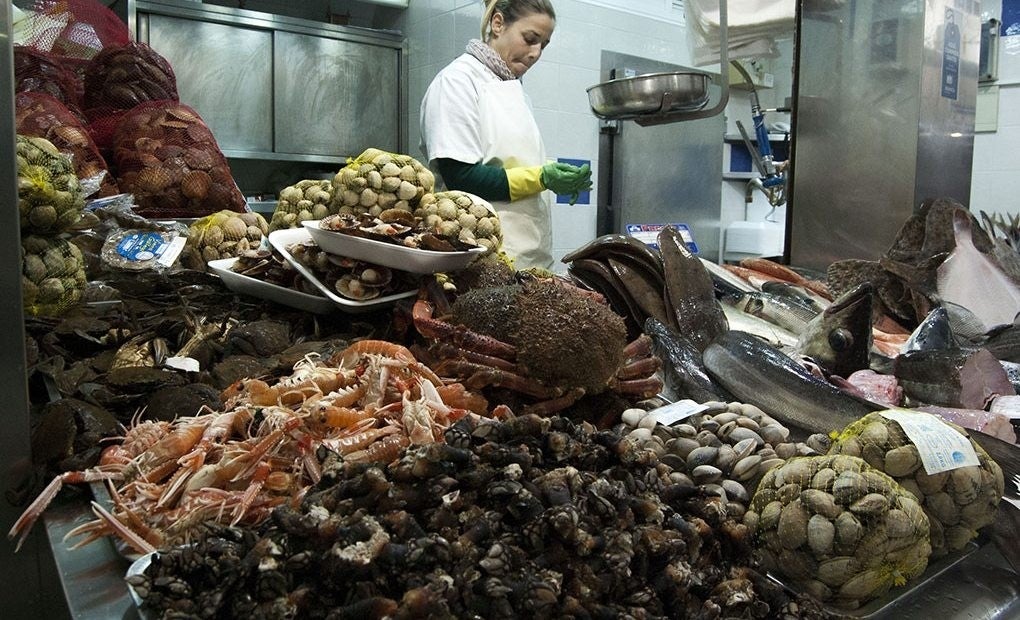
x: 584, y: 198
x: 1010, y: 17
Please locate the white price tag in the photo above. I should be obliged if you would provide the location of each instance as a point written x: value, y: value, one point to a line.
x: 174, y: 250
x: 941, y: 447
x: 676, y: 412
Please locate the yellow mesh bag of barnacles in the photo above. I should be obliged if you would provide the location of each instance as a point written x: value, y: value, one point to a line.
x: 376, y: 181
x: 838, y: 529
x: 224, y: 234
x: 958, y: 502
x: 52, y: 275
x: 310, y: 199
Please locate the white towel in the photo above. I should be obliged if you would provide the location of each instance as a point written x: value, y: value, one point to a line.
x: 751, y: 30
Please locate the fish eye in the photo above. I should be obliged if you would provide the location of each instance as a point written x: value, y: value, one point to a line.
x: 840, y: 339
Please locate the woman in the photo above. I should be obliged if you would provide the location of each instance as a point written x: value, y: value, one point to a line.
x: 478, y: 131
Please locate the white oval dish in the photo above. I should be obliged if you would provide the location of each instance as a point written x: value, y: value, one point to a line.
x: 240, y: 283
x: 391, y: 255
x: 283, y: 239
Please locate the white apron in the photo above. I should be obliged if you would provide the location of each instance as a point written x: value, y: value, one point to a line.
x: 510, y: 139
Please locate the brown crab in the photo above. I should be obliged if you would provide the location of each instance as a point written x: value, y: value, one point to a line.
x: 543, y: 339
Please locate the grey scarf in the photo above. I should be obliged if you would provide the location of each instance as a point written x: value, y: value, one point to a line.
x: 488, y: 57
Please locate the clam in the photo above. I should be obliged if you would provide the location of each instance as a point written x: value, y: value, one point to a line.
x: 820, y: 535
x: 836, y: 571
x: 351, y: 287
x: 793, y: 525
x: 902, y: 461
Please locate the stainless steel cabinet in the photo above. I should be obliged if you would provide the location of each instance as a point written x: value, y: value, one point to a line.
x: 225, y: 72
x: 280, y: 88
x: 334, y: 96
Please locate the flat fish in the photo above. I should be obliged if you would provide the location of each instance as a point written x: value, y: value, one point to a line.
x: 839, y: 339
x: 689, y: 291
x: 972, y: 279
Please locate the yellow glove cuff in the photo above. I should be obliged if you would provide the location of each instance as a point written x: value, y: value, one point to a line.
x: 524, y: 181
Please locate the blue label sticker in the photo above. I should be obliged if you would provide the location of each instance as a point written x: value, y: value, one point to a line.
x: 583, y: 198
x: 649, y: 234
x: 951, y: 57
x: 141, y: 246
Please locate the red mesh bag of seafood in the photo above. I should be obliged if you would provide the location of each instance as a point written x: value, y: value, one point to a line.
x: 36, y: 71
x: 37, y: 114
x: 166, y: 156
x: 75, y: 29
x: 120, y: 78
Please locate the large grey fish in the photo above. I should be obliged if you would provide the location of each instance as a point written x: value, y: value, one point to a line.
x: 683, y: 371
x: 689, y: 291
x: 839, y: 339
x: 760, y: 374
x: 954, y: 377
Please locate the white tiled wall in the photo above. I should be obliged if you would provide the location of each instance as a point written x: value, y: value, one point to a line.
x: 437, y: 31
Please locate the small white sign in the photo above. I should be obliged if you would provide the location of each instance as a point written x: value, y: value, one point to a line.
x: 679, y: 411
x: 941, y: 447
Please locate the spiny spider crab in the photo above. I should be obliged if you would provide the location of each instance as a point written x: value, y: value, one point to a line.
x: 541, y: 338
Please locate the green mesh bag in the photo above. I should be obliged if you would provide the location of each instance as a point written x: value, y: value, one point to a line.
x: 52, y: 275
x: 50, y: 199
x: 958, y: 502
x: 309, y: 199
x: 376, y: 181
x: 837, y: 529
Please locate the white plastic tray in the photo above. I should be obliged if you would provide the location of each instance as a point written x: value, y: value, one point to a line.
x: 259, y: 288
x: 283, y: 239
x: 390, y: 254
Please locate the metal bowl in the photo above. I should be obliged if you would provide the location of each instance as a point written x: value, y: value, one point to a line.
x: 649, y: 94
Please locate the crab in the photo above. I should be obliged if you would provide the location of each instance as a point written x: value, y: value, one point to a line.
x: 544, y: 339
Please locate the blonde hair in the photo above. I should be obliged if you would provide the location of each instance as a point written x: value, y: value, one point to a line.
x: 512, y: 10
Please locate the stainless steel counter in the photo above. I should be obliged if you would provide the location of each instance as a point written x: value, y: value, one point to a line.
x: 981, y: 586
x: 91, y: 577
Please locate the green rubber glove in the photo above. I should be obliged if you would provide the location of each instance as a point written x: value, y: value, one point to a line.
x: 566, y: 179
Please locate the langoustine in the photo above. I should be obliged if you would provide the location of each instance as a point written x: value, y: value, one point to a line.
x: 234, y: 467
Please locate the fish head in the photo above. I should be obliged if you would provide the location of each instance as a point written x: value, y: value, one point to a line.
x: 839, y: 339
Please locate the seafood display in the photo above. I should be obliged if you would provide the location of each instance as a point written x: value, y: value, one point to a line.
x: 650, y: 436
x: 532, y: 516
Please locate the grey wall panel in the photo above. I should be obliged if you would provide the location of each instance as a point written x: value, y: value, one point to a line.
x: 225, y: 72
x: 334, y: 96
x: 874, y: 134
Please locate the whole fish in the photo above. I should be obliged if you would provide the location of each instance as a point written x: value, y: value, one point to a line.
x: 683, y: 372
x: 801, y: 294
x: 689, y: 290
x: 783, y: 311
x: 1004, y: 342
x: 595, y: 276
x: 839, y: 339
x: 644, y: 287
x: 771, y: 333
x: 725, y: 282
x: 604, y: 245
x: 966, y: 378
x: 934, y: 332
x: 762, y: 375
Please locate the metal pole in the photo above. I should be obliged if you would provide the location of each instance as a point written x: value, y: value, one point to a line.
x: 31, y: 588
